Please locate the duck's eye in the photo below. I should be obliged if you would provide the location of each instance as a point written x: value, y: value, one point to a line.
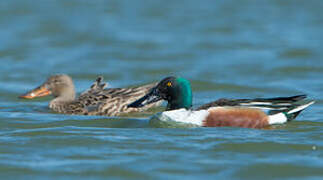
x: 169, y: 84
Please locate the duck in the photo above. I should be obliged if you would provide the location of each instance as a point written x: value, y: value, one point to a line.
x: 245, y: 113
x: 97, y: 100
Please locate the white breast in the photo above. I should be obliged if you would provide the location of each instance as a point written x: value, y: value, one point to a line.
x: 182, y: 116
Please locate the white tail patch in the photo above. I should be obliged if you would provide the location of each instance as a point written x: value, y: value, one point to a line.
x: 299, y: 108
x: 278, y: 118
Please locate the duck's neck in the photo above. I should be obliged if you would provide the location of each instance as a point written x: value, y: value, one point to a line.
x: 181, y: 97
x: 62, y: 99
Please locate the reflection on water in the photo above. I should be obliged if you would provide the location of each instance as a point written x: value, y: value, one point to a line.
x: 227, y: 49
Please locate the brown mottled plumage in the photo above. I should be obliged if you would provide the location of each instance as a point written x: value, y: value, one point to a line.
x: 95, y: 101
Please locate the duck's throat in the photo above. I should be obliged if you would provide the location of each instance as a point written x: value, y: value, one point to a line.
x: 59, y: 104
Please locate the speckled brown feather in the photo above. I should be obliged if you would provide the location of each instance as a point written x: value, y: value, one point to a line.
x: 100, y: 101
x: 116, y: 100
x: 236, y: 117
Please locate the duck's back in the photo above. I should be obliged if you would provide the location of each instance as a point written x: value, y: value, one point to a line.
x: 116, y: 100
x: 112, y: 101
x: 99, y: 100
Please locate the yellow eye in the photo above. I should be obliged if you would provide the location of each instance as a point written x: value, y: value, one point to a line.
x: 169, y: 84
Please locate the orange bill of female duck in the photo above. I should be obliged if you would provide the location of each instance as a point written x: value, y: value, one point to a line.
x: 37, y: 92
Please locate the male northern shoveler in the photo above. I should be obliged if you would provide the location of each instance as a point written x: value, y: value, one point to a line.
x: 248, y: 113
x: 95, y: 101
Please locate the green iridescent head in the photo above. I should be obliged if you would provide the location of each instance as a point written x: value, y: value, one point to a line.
x: 175, y: 90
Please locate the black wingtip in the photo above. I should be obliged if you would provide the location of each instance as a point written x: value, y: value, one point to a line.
x: 299, y: 97
x: 135, y: 104
x: 284, y: 99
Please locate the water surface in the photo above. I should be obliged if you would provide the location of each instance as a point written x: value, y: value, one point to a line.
x: 226, y: 49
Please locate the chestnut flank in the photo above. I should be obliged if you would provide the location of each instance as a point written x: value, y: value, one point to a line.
x: 236, y: 117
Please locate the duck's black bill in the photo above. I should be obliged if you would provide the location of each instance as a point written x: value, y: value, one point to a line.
x: 151, y: 97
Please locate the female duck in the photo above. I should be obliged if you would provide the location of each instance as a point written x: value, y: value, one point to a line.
x: 248, y: 113
x: 95, y: 101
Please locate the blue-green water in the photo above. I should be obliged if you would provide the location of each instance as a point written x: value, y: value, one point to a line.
x: 236, y: 49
